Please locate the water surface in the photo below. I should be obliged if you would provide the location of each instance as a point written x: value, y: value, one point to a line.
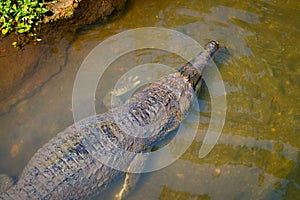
x: 257, y: 155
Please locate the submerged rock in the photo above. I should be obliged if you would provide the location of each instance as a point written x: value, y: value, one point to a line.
x: 81, y: 11
x: 60, y: 9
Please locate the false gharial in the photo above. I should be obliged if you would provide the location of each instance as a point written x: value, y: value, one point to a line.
x: 70, y: 165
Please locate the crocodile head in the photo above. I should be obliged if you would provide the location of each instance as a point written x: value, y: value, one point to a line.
x: 193, y: 70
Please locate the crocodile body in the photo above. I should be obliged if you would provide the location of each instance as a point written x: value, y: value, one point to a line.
x: 70, y: 166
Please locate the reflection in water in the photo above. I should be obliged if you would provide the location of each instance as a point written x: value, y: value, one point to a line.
x: 257, y: 156
x: 221, y: 23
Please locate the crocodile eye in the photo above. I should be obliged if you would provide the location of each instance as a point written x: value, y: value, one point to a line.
x: 214, y: 43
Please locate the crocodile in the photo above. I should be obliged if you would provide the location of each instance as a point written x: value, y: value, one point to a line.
x: 126, y: 85
x: 70, y: 165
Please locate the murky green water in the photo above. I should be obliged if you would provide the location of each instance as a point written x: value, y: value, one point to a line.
x: 257, y: 155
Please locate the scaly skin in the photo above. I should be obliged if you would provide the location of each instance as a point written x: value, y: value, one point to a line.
x: 70, y: 165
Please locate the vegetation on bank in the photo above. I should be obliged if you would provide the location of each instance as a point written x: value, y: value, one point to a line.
x: 25, y: 19
x: 21, y: 16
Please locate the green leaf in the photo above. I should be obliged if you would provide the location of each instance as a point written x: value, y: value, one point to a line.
x: 20, y: 15
x: 21, y: 30
x: 2, y: 19
x: 15, y: 44
x: 4, y: 31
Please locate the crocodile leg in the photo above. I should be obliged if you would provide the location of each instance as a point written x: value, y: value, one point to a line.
x: 129, y: 183
x: 131, y: 179
x: 124, y: 87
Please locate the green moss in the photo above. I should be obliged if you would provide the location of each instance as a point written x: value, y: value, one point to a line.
x: 20, y: 16
x: 168, y: 193
x: 268, y: 161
